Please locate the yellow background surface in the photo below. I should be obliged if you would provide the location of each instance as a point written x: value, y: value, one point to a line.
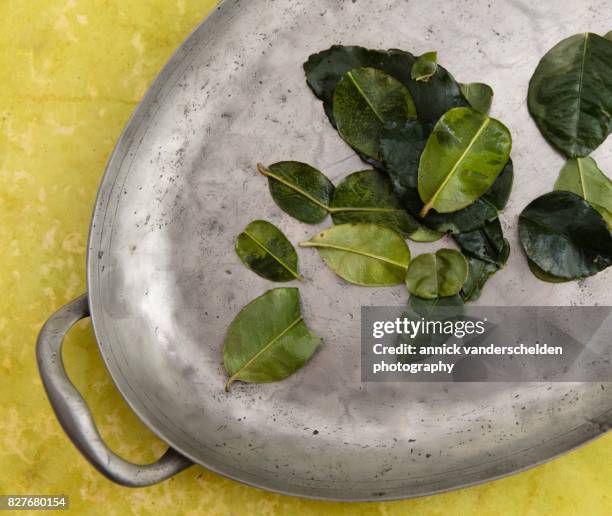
x: 71, y: 73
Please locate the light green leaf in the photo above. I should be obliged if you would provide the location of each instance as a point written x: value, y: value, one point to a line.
x: 570, y: 94
x: 463, y: 156
x: 367, y: 196
x: 265, y: 250
x: 437, y: 275
x: 479, y: 95
x: 364, y: 100
x: 268, y: 340
x: 299, y: 189
x: 363, y: 254
x: 583, y: 177
x: 424, y: 234
x: 424, y: 67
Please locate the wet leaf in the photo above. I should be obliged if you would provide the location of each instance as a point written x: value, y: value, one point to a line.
x: 437, y: 275
x: 583, y: 177
x: 265, y: 250
x: 401, y: 147
x: 432, y: 99
x: 487, y: 244
x: 570, y: 94
x: 479, y: 95
x: 463, y: 156
x: 564, y: 236
x: 299, y: 189
x: 367, y: 196
x: 363, y: 254
x: 544, y: 276
x: 365, y: 99
x: 268, y: 340
x: 424, y: 67
x: 478, y: 274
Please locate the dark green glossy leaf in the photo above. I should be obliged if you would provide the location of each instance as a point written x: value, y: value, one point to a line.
x: 499, y: 193
x: 299, y: 189
x: 544, y: 276
x: 365, y: 99
x: 479, y: 95
x: 424, y: 67
x: 463, y: 156
x: 564, y: 236
x: 432, y: 99
x: 487, y: 243
x: 268, y: 340
x: 367, y: 196
x: 570, y: 94
x: 583, y: 177
x: 437, y: 275
x: 401, y: 147
x: 265, y: 250
x: 478, y: 274
x: 363, y: 254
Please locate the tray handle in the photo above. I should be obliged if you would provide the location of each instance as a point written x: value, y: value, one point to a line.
x: 74, y: 415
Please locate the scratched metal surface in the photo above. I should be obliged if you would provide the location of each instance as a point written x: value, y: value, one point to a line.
x: 164, y: 281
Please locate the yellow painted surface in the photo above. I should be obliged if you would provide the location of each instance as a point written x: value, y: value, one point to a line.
x: 71, y: 72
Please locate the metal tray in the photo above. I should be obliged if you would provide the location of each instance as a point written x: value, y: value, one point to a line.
x: 164, y: 281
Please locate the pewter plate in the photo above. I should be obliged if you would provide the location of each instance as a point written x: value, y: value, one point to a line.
x: 164, y: 281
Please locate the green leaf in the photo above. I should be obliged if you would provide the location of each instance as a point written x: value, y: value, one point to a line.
x: 499, y: 193
x: 299, y: 189
x: 583, y: 177
x: 544, y: 276
x: 478, y: 274
x: 437, y: 275
x: 463, y: 156
x: 564, y: 236
x: 432, y: 99
x: 401, y: 148
x: 424, y: 67
x: 268, y: 340
x: 264, y: 249
x: 364, y: 100
x: 479, y: 95
x: 432, y: 308
x: 570, y: 94
x: 367, y: 196
x: 363, y: 254
x: 487, y: 244
x: 608, y: 35
x: 424, y: 234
